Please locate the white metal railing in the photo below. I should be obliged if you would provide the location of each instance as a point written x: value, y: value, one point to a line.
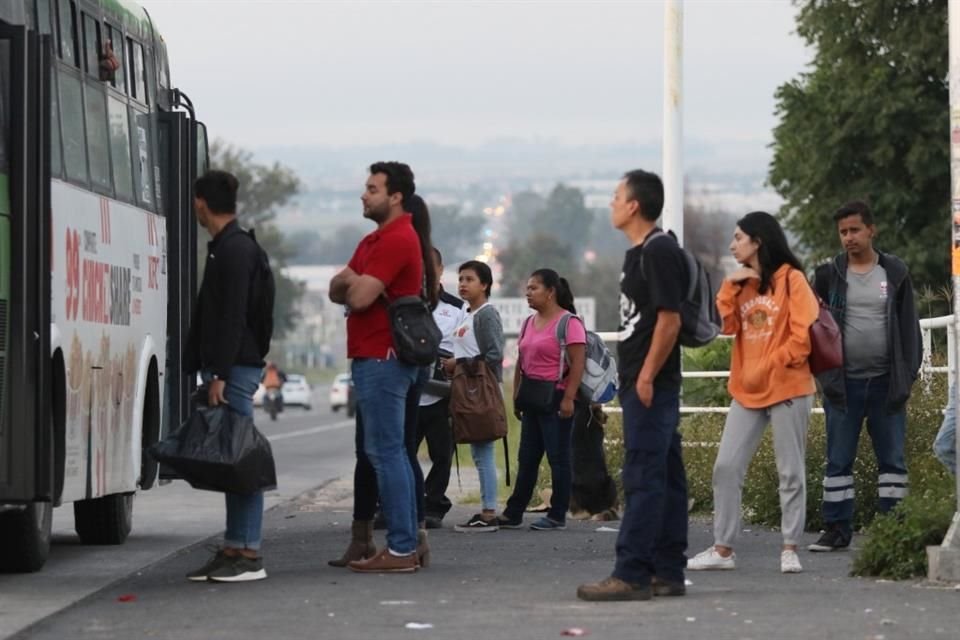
x: 927, y: 326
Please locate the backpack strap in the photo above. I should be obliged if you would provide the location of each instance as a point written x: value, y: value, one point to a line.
x: 657, y: 233
x: 562, y: 339
x: 523, y: 330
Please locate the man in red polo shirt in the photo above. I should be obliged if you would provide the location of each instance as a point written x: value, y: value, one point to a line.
x: 386, y: 265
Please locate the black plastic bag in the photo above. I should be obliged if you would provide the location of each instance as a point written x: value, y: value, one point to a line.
x: 219, y: 450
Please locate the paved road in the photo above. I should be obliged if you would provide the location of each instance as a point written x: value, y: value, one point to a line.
x: 511, y: 584
x: 311, y: 449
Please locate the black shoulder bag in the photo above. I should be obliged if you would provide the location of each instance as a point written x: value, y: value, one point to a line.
x: 416, y: 336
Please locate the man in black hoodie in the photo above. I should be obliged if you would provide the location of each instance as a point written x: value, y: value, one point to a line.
x: 229, y: 337
x: 871, y: 298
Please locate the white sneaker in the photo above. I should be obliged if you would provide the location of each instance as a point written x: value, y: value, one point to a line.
x: 789, y: 562
x: 710, y: 560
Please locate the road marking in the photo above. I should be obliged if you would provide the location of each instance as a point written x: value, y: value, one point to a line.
x: 312, y: 430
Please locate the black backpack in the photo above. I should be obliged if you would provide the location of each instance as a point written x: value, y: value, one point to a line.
x: 263, y: 292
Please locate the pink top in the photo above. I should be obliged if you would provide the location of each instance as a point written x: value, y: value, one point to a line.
x: 540, y: 349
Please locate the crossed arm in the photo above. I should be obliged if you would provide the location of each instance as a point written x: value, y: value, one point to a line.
x: 356, y: 291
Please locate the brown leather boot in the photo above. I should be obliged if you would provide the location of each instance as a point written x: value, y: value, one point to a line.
x: 361, y: 544
x: 385, y: 562
x: 423, y: 548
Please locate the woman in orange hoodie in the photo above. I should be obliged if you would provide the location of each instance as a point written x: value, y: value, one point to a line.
x: 768, y: 306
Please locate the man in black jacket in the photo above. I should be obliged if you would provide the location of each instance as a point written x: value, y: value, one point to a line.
x: 227, y: 333
x: 871, y: 298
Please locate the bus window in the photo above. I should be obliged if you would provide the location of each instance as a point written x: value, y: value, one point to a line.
x: 97, y: 145
x: 71, y: 117
x: 91, y: 44
x: 68, y: 31
x: 138, y: 80
x: 141, y: 160
x: 120, y: 149
x: 43, y: 17
x: 119, y: 81
x: 55, y: 159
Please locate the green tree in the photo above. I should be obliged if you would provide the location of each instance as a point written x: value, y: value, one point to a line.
x: 869, y: 121
x: 454, y: 233
x: 520, y: 259
x: 264, y: 190
x: 566, y: 216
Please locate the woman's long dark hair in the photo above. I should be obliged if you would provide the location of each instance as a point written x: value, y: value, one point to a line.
x: 552, y: 280
x: 421, y: 224
x: 774, y: 251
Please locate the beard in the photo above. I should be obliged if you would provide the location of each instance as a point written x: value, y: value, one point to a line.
x: 378, y: 214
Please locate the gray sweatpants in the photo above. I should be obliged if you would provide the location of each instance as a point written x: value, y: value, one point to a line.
x: 741, y: 437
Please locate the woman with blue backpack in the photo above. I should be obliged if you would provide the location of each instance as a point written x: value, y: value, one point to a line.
x: 545, y: 389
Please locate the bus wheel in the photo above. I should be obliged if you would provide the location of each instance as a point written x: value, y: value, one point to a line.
x: 105, y: 520
x: 25, y: 537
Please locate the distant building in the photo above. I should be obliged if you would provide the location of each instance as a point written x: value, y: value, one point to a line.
x: 320, y: 338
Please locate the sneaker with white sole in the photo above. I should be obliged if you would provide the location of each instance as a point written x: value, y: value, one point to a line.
x: 478, y: 524
x: 790, y: 562
x: 239, y: 569
x: 711, y: 560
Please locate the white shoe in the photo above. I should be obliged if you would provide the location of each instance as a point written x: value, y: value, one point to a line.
x: 789, y: 562
x: 711, y: 560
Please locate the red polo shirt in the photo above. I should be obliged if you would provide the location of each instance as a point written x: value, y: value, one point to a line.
x: 392, y: 256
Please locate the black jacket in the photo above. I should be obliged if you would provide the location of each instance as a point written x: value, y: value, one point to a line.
x: 220, y: 334
x: 903, y: 328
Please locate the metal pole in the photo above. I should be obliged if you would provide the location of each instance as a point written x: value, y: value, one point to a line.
x: 673, y: 117
x: 944, y: 560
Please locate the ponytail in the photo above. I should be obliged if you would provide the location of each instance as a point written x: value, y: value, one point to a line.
x: 421, y: 224
x: 552, y: 280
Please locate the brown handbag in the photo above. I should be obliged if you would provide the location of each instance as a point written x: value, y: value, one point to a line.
x: 476, y: 403
x: 826, y: 341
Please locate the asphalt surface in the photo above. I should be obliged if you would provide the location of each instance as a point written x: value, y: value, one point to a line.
x: 508, y: 584
x: 312, y: 448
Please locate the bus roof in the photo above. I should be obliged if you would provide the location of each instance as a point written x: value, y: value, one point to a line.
x: 128, y: 13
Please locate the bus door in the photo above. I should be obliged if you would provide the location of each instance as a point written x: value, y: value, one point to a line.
x: 178, y: 159
x: 26, y: 440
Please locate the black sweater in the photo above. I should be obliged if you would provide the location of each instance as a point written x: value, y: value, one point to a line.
x: 220, y: 334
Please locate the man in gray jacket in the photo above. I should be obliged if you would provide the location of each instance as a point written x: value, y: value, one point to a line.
x: 871, y: 298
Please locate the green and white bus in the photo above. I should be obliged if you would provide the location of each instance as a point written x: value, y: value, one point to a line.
x: 97, y: 265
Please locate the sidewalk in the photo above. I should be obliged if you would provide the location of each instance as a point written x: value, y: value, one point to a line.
x: 508, y: 584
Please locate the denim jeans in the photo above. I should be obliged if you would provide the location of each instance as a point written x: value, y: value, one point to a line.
x: 366, y: 495
x: 866, y: 398
x: 653, y: 533
x: 945, y: 444
x: 539, y: 433
x: 487, y: 469
x: 382, y: 387
x: 244, y: 511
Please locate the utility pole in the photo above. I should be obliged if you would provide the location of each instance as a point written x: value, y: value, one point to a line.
x: 943, y: 561
x: 673, y: 117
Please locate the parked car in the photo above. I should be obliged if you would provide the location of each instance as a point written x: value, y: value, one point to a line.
x: 297, y: 391
x: 341, y: 394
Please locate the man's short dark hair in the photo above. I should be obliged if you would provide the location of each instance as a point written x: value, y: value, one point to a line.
x: 399, y: 177
x: 855, y: 207
x: 218, y: 189
x: 436, y: 254
x: 647, y: 189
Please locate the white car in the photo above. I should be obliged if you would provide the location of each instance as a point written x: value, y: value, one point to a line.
x: 340, y: 393
x: 297, y: 392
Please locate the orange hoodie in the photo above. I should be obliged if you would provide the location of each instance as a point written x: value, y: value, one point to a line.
x: 772, y: 338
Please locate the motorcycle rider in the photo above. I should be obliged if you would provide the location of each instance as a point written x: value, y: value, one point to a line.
x: 273, y: 379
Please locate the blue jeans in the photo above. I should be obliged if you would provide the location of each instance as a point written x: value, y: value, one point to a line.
x: 539, y: 433
x: 653, y: 533
x: 244, y: 512
x: 487, y: 470
x: 945, y: 444
x: 382, y: 387
x: 866, y: 398
x: 366, y: 495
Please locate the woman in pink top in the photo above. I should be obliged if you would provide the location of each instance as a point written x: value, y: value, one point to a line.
x: 546, y: 426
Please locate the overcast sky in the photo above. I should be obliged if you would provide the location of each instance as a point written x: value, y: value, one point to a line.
x: 342, y: 73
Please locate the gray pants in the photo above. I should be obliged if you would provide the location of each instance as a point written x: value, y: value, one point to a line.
x: 741, y: 437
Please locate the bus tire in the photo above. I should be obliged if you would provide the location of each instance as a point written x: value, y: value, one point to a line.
x: 150, y: 428
x: 106, y: 520
x: 25, y: 537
